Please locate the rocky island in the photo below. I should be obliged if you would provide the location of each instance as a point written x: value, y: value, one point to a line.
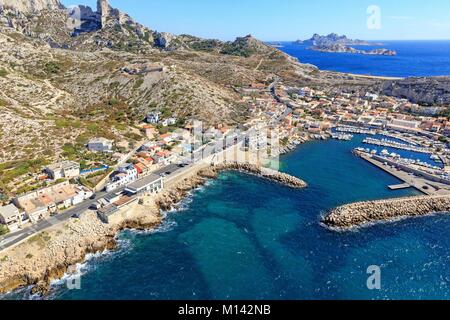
x: 339, y: 48
x: 334, y: 38
x: 341, y: 44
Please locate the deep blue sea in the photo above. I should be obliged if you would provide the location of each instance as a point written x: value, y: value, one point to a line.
x: 414, y: 59
x: 245, y: 238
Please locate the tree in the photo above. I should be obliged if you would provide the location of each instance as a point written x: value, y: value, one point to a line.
x: 3, y: 230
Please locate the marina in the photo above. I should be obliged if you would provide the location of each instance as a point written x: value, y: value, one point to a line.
x: 354, y: 130
x: 421, y: 183
x: 395, y: 145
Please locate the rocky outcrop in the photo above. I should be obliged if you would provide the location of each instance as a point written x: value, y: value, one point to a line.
x: 339, y: 48
x: 362, y: 213
x: 425, y: 91
x: 51, y: 254
x: 332, y: 39
x: 28, y: 6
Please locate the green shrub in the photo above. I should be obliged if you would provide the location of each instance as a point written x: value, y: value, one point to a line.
x: 52, y: 67
x: 3, y: 230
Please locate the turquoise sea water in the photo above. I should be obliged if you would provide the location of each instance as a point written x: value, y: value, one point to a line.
x: 414, y: 59
x: 246, y: 238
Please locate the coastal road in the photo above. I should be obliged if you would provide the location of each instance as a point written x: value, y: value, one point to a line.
x: 16, y: 237
x: 170, y: 171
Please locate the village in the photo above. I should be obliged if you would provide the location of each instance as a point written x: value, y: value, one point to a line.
x: 297, y: 115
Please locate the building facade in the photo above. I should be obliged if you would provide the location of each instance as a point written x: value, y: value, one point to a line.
x: 65, y: 169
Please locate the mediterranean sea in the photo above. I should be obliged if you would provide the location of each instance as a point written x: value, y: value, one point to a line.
x: 241, y: 237
x: 414, y: 59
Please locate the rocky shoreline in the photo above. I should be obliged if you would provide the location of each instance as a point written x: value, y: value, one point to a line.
x: 52, y: 253
x: 362, y: 213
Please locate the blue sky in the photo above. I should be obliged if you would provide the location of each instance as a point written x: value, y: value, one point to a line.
x: 280, y: 20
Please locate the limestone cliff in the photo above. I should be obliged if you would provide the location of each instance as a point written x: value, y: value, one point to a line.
x: 31, y: 6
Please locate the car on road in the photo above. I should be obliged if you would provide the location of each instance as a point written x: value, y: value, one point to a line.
x: 93, y: 197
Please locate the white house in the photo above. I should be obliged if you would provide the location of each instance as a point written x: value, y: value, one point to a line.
x: 64, y: 169
x: 41, y: 203
x: 169, y: 122
x: 100, y: 145
x: 153, y: 117
x: 126, y: 174
x: 151, y: 183
x: 11, y: 217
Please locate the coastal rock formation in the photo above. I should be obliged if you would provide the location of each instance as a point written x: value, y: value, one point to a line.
x: 47, y: 256
x: 27, y: 6
x: 425, y: 91
x: 339, y: 48
x: 333, y: 38
x: 361, y: 213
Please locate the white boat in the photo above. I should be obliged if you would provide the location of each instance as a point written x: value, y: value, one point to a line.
x: 384, y: 152
x: 435, y: 158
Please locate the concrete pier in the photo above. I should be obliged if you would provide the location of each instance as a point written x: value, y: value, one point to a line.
x: 400, y: 186
x: 421, y: 184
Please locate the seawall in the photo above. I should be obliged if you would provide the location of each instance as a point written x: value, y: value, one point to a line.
x: 362, y: 213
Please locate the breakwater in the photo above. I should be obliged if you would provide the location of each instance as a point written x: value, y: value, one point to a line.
x: 265, y: 173
x: 362, y: 213
x: 170, y: 198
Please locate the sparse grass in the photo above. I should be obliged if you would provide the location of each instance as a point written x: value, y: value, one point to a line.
x: 11, y: 170
x: 40, y: 239
x: 52, y: 67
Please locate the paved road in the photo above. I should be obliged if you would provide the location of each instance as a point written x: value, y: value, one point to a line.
x: 167, y: 171
x: 16, y: 237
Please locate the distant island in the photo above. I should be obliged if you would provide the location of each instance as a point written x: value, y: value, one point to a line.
x: 341, y: 44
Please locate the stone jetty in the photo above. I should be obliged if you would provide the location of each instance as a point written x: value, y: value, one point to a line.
x: 50, y: 254
x: 170, y: 198
x: 265, y: 173
x: 362, y: 213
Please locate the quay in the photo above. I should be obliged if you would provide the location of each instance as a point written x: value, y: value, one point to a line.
x: 421, y: 184
x: 400, y: 186
x: 396, y: 145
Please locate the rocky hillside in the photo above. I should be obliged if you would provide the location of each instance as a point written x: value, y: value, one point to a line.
x: 60, y: 86
x: 425, y: 91
x: 66, y: 76
x: 26, y: 6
